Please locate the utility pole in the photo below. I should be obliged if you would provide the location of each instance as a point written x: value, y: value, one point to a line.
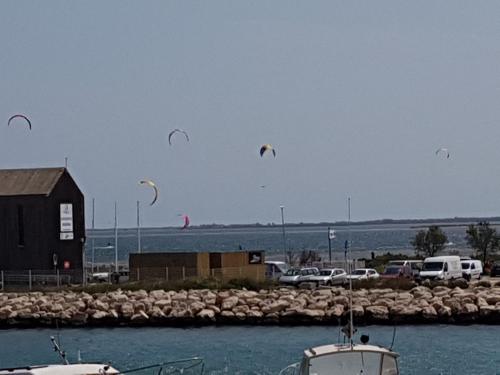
x: 283, y: 228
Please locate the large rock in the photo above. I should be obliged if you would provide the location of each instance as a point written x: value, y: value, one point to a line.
x: 207, y: 314
x: 377, y: 312
x: 275, y: 307
x: 127, y: 310
x: 158, y: 294
x: 229, y: 303
x: 429, y: 313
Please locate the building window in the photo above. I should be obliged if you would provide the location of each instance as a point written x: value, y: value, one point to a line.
x: 20, y: 225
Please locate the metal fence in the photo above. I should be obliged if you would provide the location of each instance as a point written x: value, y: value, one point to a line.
x: 30, y: 279
x: 189, y: 273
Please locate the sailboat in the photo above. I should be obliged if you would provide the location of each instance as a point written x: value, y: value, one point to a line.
x: 346, y: 358
x: 186, y: 366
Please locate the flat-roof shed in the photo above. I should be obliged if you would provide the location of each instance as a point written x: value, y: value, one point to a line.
x: 42, y: 220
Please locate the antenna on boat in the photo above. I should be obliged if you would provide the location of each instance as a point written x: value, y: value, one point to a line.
x: 393, y: 337
x: 351, y: 328
x: 59, y: 351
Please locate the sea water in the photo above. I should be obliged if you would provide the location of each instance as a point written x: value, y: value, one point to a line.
x: 429, y: 349
x: 380, y: 239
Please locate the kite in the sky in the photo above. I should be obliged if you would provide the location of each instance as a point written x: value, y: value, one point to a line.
x: 153, y: 185
x: 19, y: 116
x: 444, y: 151
x: 177, y: 131
x: 267, y: 147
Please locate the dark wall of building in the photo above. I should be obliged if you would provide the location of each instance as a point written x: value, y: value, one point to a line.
x: 36, y: 219
x: 170, y: 266
x: 66, y: 191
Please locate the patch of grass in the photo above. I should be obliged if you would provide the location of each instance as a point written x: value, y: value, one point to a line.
x: 209, y: 283
x: 396, y: 284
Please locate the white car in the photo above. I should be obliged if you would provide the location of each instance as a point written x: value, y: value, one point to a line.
x: 295, y: 276
x: 363, y: 274
x: 330, y: 276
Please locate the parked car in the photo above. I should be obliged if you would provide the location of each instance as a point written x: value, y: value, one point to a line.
x: 495, y: 270
x: 396, y: 272
x: 414, y: 264
x: 99, y: 277
x: 441, y: 268
x: 275, y: 269
x: 295, y: 276
x: 363, y: 274
x: 330, y: 276
x: 471, y: 269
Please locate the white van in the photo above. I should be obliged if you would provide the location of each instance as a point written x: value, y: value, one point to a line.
x: 471, y: 269
x: 441, y: 268
x: 275, y: 269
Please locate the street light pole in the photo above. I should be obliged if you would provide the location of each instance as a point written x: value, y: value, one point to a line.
x: 93, y: 234
x: 116, y: 241
x: 138, y: 230
x: 283, y: 228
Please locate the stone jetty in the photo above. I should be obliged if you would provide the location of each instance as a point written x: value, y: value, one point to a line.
x: 479, y: 303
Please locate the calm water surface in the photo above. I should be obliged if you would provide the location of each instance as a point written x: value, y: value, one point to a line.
x: 436, y: 349
x: 365, y: 238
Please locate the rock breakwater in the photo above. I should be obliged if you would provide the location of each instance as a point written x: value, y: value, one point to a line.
x: 479, y: 304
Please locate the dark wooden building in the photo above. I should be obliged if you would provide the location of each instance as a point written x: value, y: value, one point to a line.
x: 42, y: 222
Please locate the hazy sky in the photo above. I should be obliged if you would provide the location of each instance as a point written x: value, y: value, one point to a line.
x: 355, y: 96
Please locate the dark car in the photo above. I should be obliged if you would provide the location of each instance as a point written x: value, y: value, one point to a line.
x: 395, y: 272
x: 495, y: 270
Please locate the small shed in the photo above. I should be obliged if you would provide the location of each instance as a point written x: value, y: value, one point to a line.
x: 42, y: 221
x: 183, y: 265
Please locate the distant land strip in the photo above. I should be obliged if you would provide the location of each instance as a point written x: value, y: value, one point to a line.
x: 418, y: 223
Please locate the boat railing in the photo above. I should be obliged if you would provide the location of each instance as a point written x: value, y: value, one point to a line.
x: 187, y: 366
x: 292, y: 369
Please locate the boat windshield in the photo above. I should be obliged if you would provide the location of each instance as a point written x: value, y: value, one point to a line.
x: 292, y: 272
x: 325, y: 272
x: 465, y: 266
x: 350, y: 363
x: 432, y: 266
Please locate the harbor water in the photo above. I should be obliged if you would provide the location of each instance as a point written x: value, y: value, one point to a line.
x: 248, y: 350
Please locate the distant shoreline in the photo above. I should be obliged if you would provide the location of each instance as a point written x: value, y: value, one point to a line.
x: 417, y: 223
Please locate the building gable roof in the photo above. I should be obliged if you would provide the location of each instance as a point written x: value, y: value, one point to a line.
x: 36, y: 181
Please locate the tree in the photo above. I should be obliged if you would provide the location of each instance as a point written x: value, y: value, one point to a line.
x: 307, y: 257
x: 482, y: 239
x: 430, y: 242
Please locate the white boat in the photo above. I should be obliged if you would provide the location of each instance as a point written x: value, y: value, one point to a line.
x: 187, y: 366
x: 74, y: 369
x: 346, y: 358
x: 339, y: 359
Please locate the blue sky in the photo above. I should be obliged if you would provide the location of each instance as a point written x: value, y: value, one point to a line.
x: 355, y: 96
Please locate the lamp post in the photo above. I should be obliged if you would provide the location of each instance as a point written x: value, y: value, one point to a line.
x: 116, y: 240
x: 138, y: 229
x: 283, y: 228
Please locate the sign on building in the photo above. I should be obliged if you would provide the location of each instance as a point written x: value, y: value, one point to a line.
x: 66, y: 218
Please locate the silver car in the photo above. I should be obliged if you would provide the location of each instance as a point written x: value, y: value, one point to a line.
x: 330, y: 276
x: 295, y: 276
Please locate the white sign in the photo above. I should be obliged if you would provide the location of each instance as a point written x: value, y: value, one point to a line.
x: 331, y: 234
x: 67, y: 236
x: 66, y: 217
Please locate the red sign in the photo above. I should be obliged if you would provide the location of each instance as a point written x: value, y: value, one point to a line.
x: 66, y: 264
